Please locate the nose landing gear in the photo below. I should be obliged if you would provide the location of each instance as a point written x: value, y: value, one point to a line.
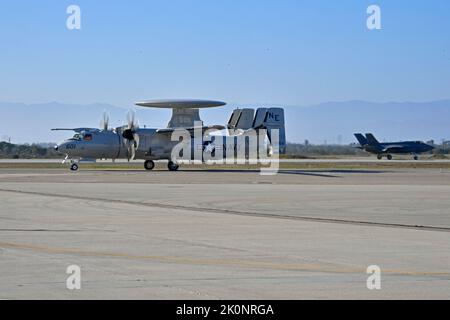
x: 149, y: 165
x: 73, y: 163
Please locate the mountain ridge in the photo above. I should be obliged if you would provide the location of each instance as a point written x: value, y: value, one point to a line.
x: 328, y: 122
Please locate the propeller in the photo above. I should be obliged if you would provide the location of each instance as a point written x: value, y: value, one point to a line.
x: 131, y: 138
x: 104, y: 123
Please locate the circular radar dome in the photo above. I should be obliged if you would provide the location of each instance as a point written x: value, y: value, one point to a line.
x: 180, y: 104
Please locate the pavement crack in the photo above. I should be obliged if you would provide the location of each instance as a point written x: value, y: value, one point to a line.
x: 235, y: 212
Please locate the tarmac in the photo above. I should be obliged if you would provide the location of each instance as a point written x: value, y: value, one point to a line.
x: 225, y: 234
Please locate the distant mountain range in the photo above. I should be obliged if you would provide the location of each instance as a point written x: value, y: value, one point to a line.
x: 331, y: 122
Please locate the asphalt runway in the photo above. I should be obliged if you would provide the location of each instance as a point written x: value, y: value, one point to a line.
x: 225, y: 234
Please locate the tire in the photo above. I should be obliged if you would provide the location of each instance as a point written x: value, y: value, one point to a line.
x: 379, y: 157
x: 389, y: 157
x: 416, y: 158
x: 74, y: 167
x: 172, y: 166
x: 149, y: 165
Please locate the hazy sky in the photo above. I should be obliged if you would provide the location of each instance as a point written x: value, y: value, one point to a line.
x: 281, y: 52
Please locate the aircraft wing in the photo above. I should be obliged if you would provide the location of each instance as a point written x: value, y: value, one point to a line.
x: 78, y: 130
x: 393, y: 148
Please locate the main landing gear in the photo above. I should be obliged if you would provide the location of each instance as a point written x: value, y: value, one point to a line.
x: 74, y: 167
x: 389, y: 157
x: 150, y: 165
x: 172, y: 166
x: 380, y: 156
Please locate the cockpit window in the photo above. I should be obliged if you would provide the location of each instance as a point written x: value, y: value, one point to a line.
x: 76, y: 137
x: 82, y: 136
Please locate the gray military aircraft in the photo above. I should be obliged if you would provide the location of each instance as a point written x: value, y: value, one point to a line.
x: 370, y: 144
x: 150, y: 144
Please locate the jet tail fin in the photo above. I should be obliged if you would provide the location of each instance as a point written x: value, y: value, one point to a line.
x: 371, y: 139
x: 361, y: 139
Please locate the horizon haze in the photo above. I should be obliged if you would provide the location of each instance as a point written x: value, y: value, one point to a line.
x: 325, y: 123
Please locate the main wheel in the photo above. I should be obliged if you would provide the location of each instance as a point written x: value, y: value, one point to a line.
x: 379, y: 157
x: 74, y: 167
x: 172, y: 166
x: 416, y: 158
x: 389, y: 157
x: 149, y: 165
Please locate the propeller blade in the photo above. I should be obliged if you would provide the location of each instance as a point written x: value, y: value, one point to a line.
x: 129, y: 151
x: 134, y: 145
x: 131, y: 119
x: 104, y: 123
x: 130, y: 137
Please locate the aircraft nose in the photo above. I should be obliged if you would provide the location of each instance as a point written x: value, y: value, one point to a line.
x: 60, y: 147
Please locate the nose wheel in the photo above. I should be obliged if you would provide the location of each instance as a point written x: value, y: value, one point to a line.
x: 149, y: 165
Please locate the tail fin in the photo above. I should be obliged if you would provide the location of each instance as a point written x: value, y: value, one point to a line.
x: 361, y: 139
x: 371, y: 139
x: 272, y: 119
x: 241, y: 119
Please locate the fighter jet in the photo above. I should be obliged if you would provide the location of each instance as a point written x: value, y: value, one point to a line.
x: 370, y: 144
x: 150, y: 144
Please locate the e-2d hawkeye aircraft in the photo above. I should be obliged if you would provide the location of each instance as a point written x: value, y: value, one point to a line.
x: 370, y: 144
x: 150, y: 144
